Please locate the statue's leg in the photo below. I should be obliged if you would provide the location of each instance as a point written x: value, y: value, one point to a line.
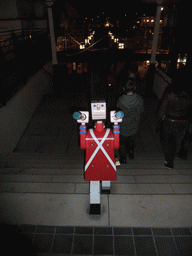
x: 106, y: 184
x: 95, y: 205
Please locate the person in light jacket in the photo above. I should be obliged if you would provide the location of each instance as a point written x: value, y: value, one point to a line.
x: 132, y: 106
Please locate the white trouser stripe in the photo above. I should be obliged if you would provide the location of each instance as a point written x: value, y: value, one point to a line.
x: 100, y: 147
x: 94, y: 192
x: 97, y: 149
x: 106, y: 184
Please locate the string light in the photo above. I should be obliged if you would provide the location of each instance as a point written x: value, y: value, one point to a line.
x: 82, y: 46
x: 121, y: 45
x: 116, y: 40
x: 87, y: 40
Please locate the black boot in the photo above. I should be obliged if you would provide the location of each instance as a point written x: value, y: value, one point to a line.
x: 131, y: 154
x: 168, y: 165
x: 183, y: 155
x: 123, y: 160
x: 95, y: 209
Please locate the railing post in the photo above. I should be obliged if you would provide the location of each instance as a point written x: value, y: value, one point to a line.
x: 52, y: 34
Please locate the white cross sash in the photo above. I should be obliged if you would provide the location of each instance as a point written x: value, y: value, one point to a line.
x: 99, y: 147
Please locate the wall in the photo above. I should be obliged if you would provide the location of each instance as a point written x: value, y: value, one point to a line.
x: 18, y: 14
x: 8, y: 10
x: 17, y: 113
x: 161, y: 81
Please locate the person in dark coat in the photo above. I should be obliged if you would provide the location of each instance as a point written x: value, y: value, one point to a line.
x: 174, y: 111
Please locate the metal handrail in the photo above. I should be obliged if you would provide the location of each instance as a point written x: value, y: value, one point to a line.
x: 21, y: 34
x: 18, y: 29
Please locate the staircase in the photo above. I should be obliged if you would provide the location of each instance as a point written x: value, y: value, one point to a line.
x: 59, y: 174
x: 45, y: 184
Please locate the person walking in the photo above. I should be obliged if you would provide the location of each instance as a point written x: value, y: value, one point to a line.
x: 132, y: 106
x: 174, y: 111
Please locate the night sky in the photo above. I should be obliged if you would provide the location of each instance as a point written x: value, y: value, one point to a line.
x: 89, y: 8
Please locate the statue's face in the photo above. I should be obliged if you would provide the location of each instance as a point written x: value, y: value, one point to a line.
x: 98, y: 110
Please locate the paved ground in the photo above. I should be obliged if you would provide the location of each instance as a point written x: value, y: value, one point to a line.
x: 43, y: 187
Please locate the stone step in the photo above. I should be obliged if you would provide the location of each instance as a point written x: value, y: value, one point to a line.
x: 167, y: 183
x: 83, y: 188
x: 74, y: 178
x: 47, y: 160
x: 58, y: 174
x: 16, y: 156
x: 38, y: 155
x: 69, y: 165
x: 44, y: 165
x: 80, y: 158
x: 78, y: 171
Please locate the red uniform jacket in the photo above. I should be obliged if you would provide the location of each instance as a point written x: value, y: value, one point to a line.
x: 100, y: 144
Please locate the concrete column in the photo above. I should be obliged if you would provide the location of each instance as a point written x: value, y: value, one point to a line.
x: 52, y: 33
x: 156, y: 33
x: 151, y: 71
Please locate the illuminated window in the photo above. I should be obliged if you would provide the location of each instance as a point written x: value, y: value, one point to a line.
x: 185, y: 58
x: 74, y: 65
x: 138, y: 21
x: 152, y: 21
x: 107, y: 24
x: 147, y: 20
x: 161, y: 21
x: 121, y: 45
